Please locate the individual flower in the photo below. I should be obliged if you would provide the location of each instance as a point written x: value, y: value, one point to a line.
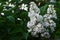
x: 54, y: 14
x: 18, y: 19
x: 35, y: 29
x: 24, y: 7
x: 2, y: 14
x: 10, y: 0
x: 39, y: 17
x: 21, y: 0
x: 7, y: 3
x: 45, y: 34
x: 46, y: 24
x: 4, y: 9
x: 12, y: 11
x: 29, y: 30
x: 52, y: 29
x: 0, y: 4
x: 11, y: 5
x: 31, y: 14
x: 30, y: 24
x: 52, y: 23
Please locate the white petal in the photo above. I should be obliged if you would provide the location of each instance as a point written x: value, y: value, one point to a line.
x: 39, y: 17
x: 39, y: 25
x: 0, y: 4
x: 18, y: 19
x: 26, y: 8
x: 29, y: 30
x: 30, y: 24
x: 35, y: 29
x: 2, y: 14
x: 10, y: 0
x: 47, y: 35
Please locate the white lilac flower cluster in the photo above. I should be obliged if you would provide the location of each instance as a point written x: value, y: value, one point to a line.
x: 41, y: 24
x: 35, y: 24
x: 48, y: 22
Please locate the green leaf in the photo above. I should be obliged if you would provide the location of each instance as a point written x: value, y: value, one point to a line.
x: 11, y: 19
x: 43, y: 9
x: 25, y: 36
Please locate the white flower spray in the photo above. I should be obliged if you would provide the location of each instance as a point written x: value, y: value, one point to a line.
x: 41, y: 24
x: 35, y: 24
x: 48, y: 22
